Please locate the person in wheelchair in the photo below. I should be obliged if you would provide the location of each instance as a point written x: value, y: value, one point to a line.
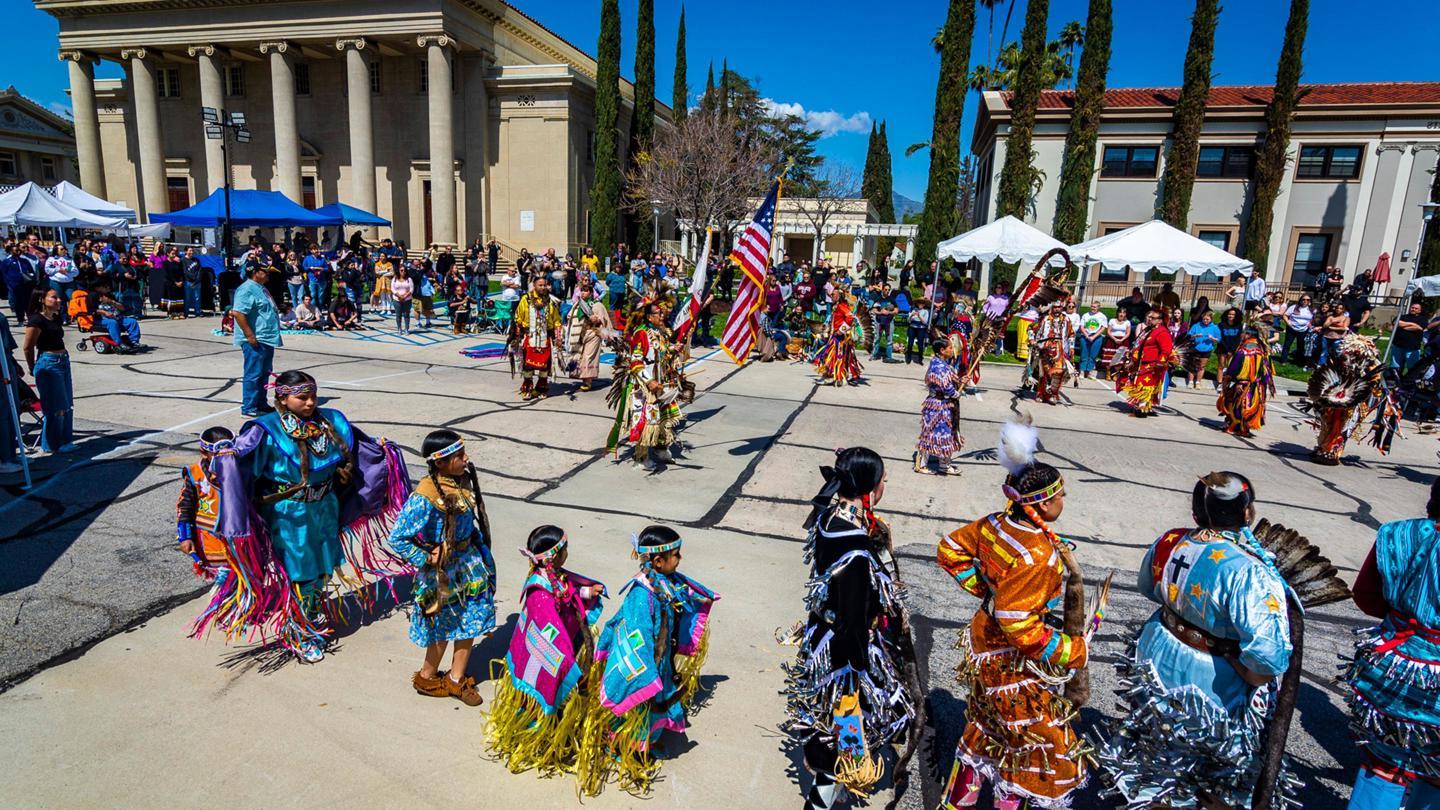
x: 102, y: 313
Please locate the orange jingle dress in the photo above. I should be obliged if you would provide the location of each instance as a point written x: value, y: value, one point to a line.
x: 1017, y: 732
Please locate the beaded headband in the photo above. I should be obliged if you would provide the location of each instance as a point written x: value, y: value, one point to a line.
x: 447, y: 451
x: 650, y: 551
x: 222, y: 446
x: 1038, y: 496
x: 295, y: 390
x: 545, y: 556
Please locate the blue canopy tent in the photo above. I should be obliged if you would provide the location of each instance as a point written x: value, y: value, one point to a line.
x: 350, y: 215
x: 248, y: 209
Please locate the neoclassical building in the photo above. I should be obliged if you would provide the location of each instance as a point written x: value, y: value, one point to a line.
x: 452, y: 118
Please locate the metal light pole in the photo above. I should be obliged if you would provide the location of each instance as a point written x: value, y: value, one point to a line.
x: 219, y: 126
x: 655, y: 209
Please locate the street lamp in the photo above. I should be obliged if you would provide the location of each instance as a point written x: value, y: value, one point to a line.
x: 655, y: 209
x: 218, y: 127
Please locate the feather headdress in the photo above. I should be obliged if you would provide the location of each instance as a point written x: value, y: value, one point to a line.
x: 1018, y: 442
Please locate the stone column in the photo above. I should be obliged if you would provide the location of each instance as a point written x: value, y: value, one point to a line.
x: 287, y: 134
x: 147, y: 131
x: 362, y: 127
x: 442, y: 137
x: 212, y: 94
x: 87, y: 121
x: 857, y: 252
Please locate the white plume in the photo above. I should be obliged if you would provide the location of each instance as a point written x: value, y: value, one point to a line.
x: 1018, y: 440
x: 1225, y: 487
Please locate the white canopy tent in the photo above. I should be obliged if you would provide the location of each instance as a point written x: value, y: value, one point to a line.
x: 1007, y: 239
x: 30, y: 205
x: 68, y: 192
x: 1159, y: 246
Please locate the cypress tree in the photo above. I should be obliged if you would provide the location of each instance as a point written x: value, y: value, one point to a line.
x: 1179, y: 183
x: 680, y: 96
x: 870, y: 177
x: 1072, y: 207
x: 886, y: 190
x: 1017, y: 174
x: 707, y: 101
x: 605, y: 194
x: 1270, y: 162
x: 642, y: 120
x: 937, y: 221
x: 724, y: 105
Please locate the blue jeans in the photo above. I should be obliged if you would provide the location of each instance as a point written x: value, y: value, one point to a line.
x: 1327, y: 346
x: 57, y: 400
x: 1374, y: 793
x: 129, y: 326
x: 1090, y: 352
x: 317, y: 288
x: 1404, y: 359
x: 884, y: 348
x: 297, y: 294
x: 259, y: 361
x: 65, y: 288
x: 192, y: 298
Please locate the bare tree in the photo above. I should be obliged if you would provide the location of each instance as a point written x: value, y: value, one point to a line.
x: 700, y: 171
x: 832, y: 191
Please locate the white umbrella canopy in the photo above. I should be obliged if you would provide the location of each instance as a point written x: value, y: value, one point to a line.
x: 1157, y: 245
x: 30, y: 205
x: 1007, y: 239
x: 66, y: 191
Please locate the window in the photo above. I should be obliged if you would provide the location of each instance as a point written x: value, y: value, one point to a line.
x: 307, y: 192
x: 373, y: 66
x: 424, y: 76
x: 1219, y: 239
x: 47, y: 169
x: 235, y: 81
x: 1130, y: 161
x: 590, y: 146
x: 177, y: 192
x: 8, y: 166
x: 1329, y: 162
x: 302, y: 79
x: 1312, y: 252
x: 1226, y: 161
x: 167, y: 82
x: 1107, y: 274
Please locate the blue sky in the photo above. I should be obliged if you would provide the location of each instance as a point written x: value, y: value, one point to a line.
x: 845, y: 64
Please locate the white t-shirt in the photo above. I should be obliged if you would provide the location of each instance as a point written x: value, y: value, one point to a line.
x: 1074, y: 319
x: 510, y: 288
x: 1299, y: 318
x: 1094, y: 323
x: 1119, y: 330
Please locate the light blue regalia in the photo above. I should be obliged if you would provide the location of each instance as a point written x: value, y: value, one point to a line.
x: 468, y: 591
x: 1193, y: 723
x: 1395, y: 679
x: 644, y: 691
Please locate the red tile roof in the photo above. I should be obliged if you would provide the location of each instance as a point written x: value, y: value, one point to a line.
x: 1255, y: 95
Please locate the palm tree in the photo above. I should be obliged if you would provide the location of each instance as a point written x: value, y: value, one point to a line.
x: 1072, y: 36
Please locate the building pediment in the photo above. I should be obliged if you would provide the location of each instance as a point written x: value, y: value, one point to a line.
x: 20, y: 117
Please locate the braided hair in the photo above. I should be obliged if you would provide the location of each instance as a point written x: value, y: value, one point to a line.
x: 858, y: 471
x: 438, y: 440
x: 1222, y: 501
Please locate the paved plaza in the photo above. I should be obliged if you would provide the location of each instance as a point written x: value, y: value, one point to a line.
x: 107, y: 703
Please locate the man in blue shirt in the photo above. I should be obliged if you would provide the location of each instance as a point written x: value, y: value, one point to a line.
x: 318, y: 272
x: 257, y: 333
x: 18, y: 275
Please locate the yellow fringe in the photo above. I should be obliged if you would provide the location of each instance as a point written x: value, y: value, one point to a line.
x: 687, y: 668
x: 611, y: 745
x: 525, y: 737
x: 859, y: 775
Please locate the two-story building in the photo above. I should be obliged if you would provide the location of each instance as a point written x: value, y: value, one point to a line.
x: 452, y: 118
x: 1362, y: 159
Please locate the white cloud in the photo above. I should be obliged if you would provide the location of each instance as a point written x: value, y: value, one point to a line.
x: 60, y: 108
x: 825, y: 122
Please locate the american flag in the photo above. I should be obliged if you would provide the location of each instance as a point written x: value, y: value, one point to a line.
x: 752, y: 253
